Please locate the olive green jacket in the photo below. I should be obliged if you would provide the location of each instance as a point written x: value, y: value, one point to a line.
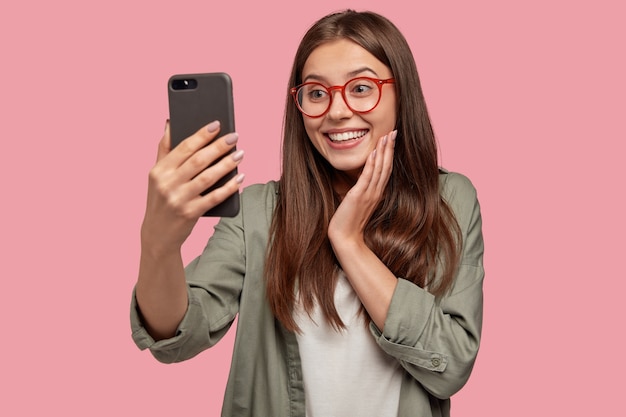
x: 436, y: 342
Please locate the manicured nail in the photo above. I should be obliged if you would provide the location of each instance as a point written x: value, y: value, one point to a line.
x: 237, y: 156
x: 384, y: 140
x: 213, y: 126
x: 231, y: 138
x: 240, y: 178
x: 374, y: 154
x: 393, y: 135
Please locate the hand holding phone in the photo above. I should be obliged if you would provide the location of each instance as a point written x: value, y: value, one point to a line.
x: 195, y: 100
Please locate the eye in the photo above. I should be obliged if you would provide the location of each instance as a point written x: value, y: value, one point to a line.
x: 316, y: 94
x: 361, y: 87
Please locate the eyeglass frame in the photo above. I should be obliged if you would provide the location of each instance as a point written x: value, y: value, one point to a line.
x: 379, y: 82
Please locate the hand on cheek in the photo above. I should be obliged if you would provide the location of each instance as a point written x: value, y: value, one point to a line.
x: 352, y: 215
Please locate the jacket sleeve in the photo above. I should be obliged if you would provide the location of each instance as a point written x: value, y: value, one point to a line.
x: 437, y: 341
x: 215, y: 281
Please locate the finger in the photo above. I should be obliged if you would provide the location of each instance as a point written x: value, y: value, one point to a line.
x: 207, y: 156
x: 164, y: 143
x: 211, y: 175
x: 206, y: 202
x: 365, y: 178
x: 192, y: 144
x: 387, y: 161
x: 374, y: 166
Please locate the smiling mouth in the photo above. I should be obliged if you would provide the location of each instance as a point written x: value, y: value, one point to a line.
x: 346, y: 136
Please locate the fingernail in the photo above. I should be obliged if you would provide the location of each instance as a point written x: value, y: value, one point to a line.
x: 231, y: 138
x: 374, y: 154
x: 237, y: 156
x: 240, y: 178
x: 213, y: 126
x: 393, y: 135
x: 384, y: 141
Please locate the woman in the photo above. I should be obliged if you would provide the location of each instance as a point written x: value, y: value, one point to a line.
x: 357, y: 277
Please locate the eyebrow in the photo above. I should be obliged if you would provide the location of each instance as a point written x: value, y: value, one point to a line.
x: 351, y: 74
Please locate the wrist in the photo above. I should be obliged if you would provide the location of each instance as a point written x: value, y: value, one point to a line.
x: 348, y: 245
x: 157, y: 250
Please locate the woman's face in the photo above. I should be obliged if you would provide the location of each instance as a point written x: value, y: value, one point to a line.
x: 345, y: 138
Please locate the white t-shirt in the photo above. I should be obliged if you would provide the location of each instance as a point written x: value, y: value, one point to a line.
x: 345, y: 372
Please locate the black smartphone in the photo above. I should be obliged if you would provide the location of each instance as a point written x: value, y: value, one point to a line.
x: 194, y: 101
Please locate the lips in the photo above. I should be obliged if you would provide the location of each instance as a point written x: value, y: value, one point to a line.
x: 346, y: 136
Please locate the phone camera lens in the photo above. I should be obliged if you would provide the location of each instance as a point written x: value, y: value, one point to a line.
x: 184, y: 84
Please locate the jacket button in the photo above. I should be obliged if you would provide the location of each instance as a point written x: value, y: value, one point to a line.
x: 435, y: 362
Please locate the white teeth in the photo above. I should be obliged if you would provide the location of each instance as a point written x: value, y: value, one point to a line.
x: 340, y: 137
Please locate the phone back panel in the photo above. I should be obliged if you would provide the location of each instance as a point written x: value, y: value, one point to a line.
x: 191, y: 109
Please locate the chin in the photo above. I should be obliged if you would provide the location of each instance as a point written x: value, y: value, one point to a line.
x: 348, y: 167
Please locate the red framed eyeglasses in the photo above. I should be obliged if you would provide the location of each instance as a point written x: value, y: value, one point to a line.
x: 361, y: 95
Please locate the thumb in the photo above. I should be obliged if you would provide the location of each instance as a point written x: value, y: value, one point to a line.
x: 164, y: 144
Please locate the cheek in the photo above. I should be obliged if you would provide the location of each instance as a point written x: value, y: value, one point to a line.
x: 388, y: 107
x: 383, y: 118
x: 311, y: 127
x: 384, y: 122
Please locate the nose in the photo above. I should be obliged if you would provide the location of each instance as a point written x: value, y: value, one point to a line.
x: 338, y: 107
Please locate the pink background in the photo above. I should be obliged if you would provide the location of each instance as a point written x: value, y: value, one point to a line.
x: 527, y: 99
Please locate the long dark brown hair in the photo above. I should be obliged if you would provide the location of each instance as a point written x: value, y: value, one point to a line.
x: 413, y: 231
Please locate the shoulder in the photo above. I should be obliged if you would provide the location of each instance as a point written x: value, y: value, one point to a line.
x: 256, y: 191
x: 455, y: 185
x: 460, y: 194
x: 259, y: 199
